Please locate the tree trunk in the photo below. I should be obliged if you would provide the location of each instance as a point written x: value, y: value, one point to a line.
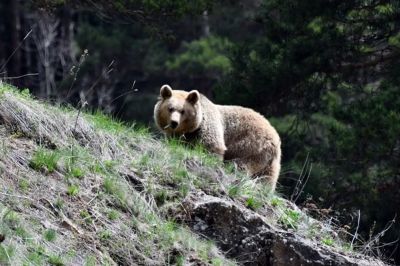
x: 12, y: 38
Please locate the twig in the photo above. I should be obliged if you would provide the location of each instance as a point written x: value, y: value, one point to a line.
x: 79, y: 112
x: 304, y: 184
x: 65, y: 220
x: 81, y: 60
x: 356, y: 233
x: 103, y: 73
x: 15, y: 50
x: 24, y: 197
x: 296, y: 190
x: 22, y: 76
x: 369, y: 246
x: 125, y: 93
x: 16, y: 196
x: 75, y: 125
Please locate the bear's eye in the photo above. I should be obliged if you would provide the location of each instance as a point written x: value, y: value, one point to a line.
x: 170, y: 109
x: 183, y: 112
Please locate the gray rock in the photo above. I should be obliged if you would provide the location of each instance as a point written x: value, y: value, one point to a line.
x: 247, y: 236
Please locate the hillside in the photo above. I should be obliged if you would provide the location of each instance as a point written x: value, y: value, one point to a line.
x: 81, y: 189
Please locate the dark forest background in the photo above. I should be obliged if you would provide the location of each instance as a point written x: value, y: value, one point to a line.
x: 325, y: 73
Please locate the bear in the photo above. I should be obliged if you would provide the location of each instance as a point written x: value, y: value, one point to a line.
x: 234, y: 133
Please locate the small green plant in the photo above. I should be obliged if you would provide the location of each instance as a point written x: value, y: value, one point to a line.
x: 72, y: 190
x: 24, y: 184
x: 328, y: 240
x: 113, y: 187
x: 253, y: 203
x: 217, y: 262
x: 59, y: 204
x: 55, y: 260
x: 85, y: 215
x: 145, y: 159
x: 184, y: 189
x: 104, y: 235
x: 109, y: 164
x: 230, y: 168
x: 97, y: 167
x: 161, y: 197
x: 233, y: 191
x: 11, y: 218
x: 290, y: 218
x: 113, y: 215
x: 45, y: 160
x: 181, y: 173
x: 109, y: 186
x: 275, y: 202
x: 347, y: 247
x: 77, y: 172
x: 90, y: 261
x: 21, y: 232
x: 35, y: 258
x: 50, y: 235
x: 25, y: 93
x: 176, y: 259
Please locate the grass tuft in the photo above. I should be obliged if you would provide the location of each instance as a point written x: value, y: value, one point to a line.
x: 45, y: 160
x: 73, y: 190
x: 50, y: 235
x: 55, y: 260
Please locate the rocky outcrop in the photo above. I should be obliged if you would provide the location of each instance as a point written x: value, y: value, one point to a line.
x: 249, y: 238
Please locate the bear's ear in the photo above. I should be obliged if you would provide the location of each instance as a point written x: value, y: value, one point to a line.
x: 165, y: 91
x: 193, y: 97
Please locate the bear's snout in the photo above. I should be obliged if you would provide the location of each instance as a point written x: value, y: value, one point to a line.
x: 174, y: 124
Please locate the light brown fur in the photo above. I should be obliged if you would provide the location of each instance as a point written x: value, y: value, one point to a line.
x: 233, y: 132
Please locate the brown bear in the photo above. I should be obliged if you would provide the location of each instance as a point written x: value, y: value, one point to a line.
x: 232, y: 132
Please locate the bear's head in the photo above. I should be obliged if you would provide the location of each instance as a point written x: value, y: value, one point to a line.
x: 178, y: 112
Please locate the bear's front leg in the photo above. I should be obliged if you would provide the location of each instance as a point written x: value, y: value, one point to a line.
x: 214, y: 142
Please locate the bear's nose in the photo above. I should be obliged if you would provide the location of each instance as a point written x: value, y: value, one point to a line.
x: 174, y: 124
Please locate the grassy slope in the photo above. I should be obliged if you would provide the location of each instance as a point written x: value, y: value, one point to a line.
x: 86, y: 190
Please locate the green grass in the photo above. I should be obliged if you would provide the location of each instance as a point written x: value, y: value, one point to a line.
x: 113, y: 187
x: 73, y: 190
x: 7, y: 253
x: 21, y: 232
x: 85, y: 215
x: 253, y: 203
x: 23, y: 184
x: 90, y: 261
x: 35, y: 258
x: 24, y: 93
x: 276, y: 202
x: 77, y: 172
x: 290, y: 218
x: 161, y: 197
x: 59, y: 203
x: 113, y: 215
x: 329, y: 241
x: 55, y: 260
x: 44, y: 159
x: 105, y: 235
x: 50, y: 235
x: 105, y: 122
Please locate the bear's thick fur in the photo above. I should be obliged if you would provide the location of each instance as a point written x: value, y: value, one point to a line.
x: 233, y: 132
